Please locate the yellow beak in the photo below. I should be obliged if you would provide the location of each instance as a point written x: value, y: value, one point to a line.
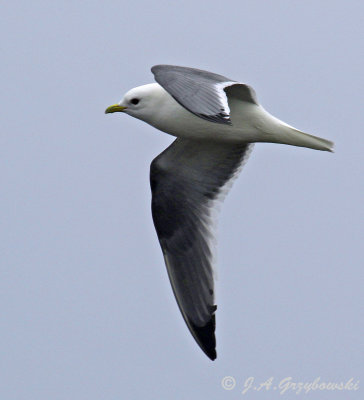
x: 115, y: 108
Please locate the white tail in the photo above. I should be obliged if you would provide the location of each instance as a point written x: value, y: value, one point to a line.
x: 295, y: 137
x: 278, y: 131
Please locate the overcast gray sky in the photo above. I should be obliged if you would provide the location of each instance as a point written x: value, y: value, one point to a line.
x: 87, y: 311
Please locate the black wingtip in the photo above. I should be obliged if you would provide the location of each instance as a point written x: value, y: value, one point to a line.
x: 205, y: 337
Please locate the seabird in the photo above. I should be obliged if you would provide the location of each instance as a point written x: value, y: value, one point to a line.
x: 215, y: 121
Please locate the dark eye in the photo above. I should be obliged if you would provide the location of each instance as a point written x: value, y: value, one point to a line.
x: 134, y: 101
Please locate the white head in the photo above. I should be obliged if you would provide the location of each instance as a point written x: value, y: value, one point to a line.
x: 142, y: 102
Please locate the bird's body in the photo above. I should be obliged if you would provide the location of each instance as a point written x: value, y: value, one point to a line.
x: 250, y: 123
x: 215, y: 120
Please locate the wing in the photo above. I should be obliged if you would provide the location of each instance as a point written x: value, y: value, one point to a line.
x: 200, y: 92
x: 186, y: 180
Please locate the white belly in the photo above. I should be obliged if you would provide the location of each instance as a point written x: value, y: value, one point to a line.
x: 178, y: 121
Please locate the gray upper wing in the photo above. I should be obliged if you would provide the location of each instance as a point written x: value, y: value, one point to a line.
x: 185, y: 181
x: 202, y: 93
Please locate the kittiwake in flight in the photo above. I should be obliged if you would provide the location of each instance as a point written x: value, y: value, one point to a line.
x: 215, y: 121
